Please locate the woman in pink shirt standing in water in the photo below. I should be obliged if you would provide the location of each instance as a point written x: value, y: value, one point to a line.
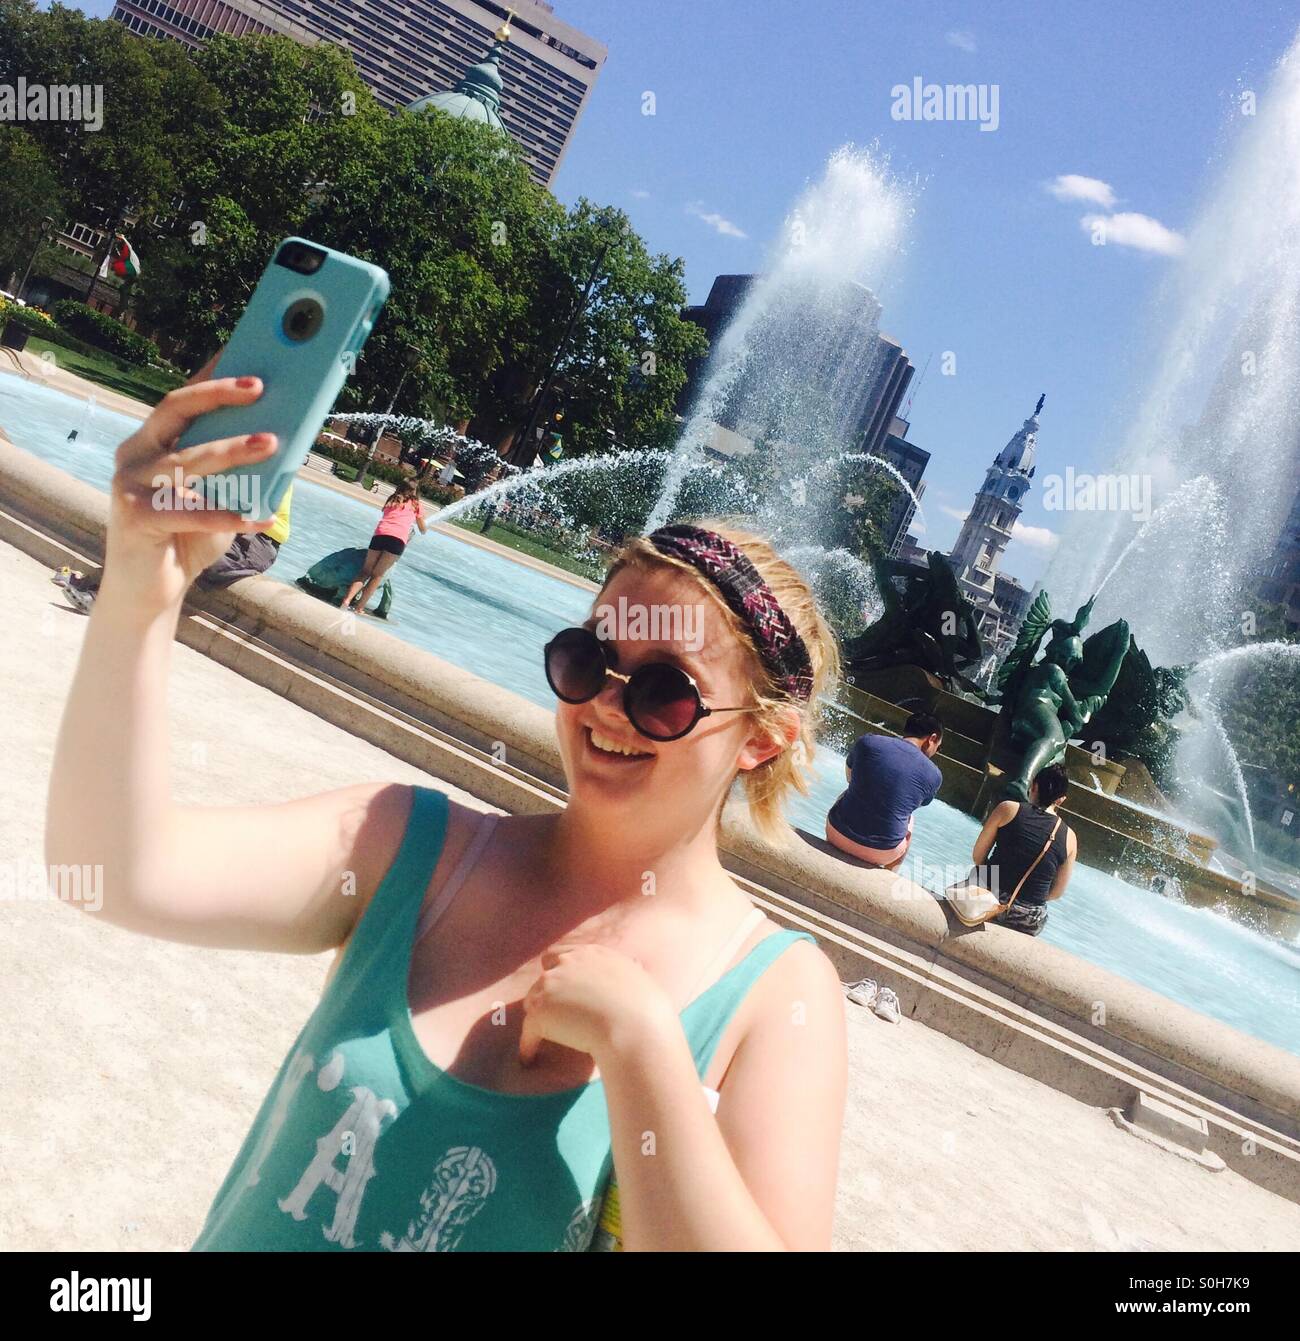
x: 402, y: 512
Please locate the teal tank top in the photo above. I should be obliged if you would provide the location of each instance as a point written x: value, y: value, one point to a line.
x: 363, y: 1143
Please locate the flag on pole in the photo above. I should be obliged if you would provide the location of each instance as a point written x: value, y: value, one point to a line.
x: 123, y: 258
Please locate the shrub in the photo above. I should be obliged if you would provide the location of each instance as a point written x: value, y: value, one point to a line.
x: 31, y: 319
x: 106, y: 333
x: 352, y: 458
x: 355, y: 457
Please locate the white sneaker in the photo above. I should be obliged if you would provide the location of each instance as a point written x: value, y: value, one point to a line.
x: 78, y: 599
x: 887, y: 1006
x: 864, y: 992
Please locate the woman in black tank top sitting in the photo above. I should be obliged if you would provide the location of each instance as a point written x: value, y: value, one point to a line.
x: 1028, y: 845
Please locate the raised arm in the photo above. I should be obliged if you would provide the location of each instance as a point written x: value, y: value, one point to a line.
x: 288, y: 877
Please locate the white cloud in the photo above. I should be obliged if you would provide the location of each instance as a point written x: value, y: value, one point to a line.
x: 1036, y: 537
x: 715, y: 221
x: 959, y: 514
x: 1070, y: 186
x: 638, y: 194
x: 1138, y: 231
x: 966, y: 41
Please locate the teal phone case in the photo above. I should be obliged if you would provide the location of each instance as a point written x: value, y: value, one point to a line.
x: 301, y: 379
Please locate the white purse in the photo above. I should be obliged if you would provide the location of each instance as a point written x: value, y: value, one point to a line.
x: 973, y: 904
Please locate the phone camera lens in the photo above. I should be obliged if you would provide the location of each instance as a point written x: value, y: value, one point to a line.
x: 299, y: 256
x: 302, y: 319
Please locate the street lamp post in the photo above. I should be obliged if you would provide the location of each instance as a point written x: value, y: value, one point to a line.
x: 410, y: 358
x: 47, y: 227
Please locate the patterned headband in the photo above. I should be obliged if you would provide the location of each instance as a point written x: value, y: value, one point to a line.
x: 779, y: 645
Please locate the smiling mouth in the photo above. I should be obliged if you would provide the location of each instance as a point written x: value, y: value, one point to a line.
x: 609, y: 748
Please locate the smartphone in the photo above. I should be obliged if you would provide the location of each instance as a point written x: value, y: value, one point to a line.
x: 301, y: 334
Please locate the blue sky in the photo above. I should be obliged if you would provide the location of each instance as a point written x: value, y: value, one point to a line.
x: 750, y: 99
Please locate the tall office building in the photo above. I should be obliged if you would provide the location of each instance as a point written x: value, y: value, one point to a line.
x: 1280, y: 578
x: 406, y: 50
x: 194, y: 21
x: 910, y: 461
x: 822, y: 371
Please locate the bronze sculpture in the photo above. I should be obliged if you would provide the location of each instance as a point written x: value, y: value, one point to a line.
x: 929, y: 623
x: 1049, y: 701
x: 1136, y: 720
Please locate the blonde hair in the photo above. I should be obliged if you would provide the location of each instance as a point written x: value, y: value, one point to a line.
x: 767, y: 785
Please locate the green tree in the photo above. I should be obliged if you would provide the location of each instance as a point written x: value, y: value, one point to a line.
x: 221, y: 152
x: 153, y: 109
x: 448, y: 209
x: 626, y: 360
x: 281, y: 120
x: 1261, y: 709
x: 29, y: 191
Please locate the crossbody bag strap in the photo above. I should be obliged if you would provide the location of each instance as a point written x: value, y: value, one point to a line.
x: 1051, y: 837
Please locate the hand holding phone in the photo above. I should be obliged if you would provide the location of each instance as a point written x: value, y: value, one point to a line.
x: 160, y: 533
x: 301, y: 334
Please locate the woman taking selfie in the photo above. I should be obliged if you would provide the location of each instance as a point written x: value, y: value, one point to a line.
x: 511, y: 997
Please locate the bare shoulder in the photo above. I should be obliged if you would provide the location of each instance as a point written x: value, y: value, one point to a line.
x: 382, y: 813
x: 462, y: 824
x: 387, y: 826
x: 801, y: 974
x: 782, y: 1098
x: 799, y: 996
x: 1004, y: 812
x: 385, y: 813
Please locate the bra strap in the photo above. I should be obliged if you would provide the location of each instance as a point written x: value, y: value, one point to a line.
x: 727, y: 953
x: 436, y: 906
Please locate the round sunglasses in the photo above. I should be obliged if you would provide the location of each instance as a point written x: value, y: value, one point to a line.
x: 660, y: 700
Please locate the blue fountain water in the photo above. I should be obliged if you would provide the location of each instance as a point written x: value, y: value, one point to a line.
x: 492, y: 616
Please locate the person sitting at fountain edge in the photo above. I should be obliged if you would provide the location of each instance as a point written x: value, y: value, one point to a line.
x: 443, y: 1096
x: 1033, y: 851
x: 890, y: 777
x: 250, y: 553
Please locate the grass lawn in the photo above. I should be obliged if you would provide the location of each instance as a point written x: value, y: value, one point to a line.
x: 533, y: 548
x: 144, y: 384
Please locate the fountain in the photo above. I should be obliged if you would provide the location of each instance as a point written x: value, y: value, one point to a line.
x: 1216, y: 432
x: 788, y: 376
x: 470, y: 606
x: 792, y: 371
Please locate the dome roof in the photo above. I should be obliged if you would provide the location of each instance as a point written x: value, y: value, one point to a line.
x: 477, y: 97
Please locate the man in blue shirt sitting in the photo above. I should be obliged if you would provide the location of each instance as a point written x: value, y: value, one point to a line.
x: 889, y: 778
